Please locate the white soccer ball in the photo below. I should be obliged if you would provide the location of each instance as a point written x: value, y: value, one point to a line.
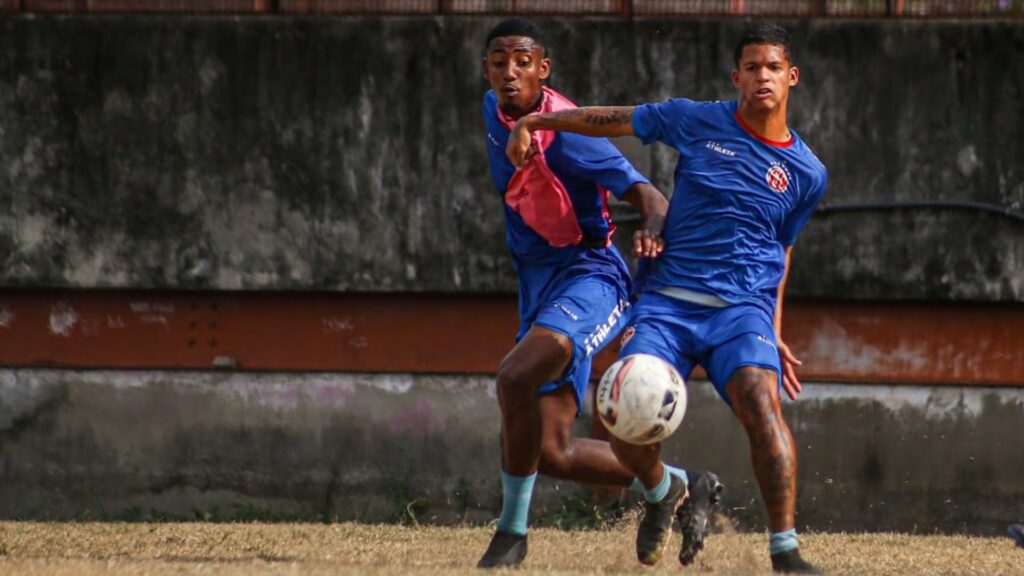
x: 641, y: 399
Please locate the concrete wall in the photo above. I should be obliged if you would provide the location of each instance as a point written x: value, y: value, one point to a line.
x: 135, y: 445
x: 341, y: 154
x: 348, y: 155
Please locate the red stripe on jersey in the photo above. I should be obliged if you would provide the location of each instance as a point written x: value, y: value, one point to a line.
x: 762, y: 139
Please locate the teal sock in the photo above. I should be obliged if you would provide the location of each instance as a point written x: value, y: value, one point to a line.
x: 638, y: 486
x: 782, y: 541
x: 516, y: 492
x: 657, y: 494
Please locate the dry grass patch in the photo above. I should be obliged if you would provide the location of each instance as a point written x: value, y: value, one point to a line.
x: 86, y: 549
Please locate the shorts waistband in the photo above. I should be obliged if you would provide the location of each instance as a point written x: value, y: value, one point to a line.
x: 694, y: 297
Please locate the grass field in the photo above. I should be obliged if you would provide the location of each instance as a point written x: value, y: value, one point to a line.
x: 84, y: 549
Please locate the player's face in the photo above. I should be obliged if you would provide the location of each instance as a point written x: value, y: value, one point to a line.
x: 516, y: 68
x: 764, y: 77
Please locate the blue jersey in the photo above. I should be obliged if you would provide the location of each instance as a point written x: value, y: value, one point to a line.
x: 585, y: 170
x: 739, y: 201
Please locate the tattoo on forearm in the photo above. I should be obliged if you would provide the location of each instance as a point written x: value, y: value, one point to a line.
x: 598, y: 116
x: 606, y: 116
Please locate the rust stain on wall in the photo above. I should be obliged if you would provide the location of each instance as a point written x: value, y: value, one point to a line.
x: 423, y: 333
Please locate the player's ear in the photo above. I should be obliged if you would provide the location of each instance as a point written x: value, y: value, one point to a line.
x: 545, y: 68
x: 794, y: 75
x: 736, y: 78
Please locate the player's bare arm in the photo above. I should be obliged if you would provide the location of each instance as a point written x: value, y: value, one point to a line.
x: 652, y: 206
x: 603, y: 121
x: 790, y: 383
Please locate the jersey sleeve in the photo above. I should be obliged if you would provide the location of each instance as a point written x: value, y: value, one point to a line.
x: 662, y: 122
x: 801, y: 213
x: 497, y: 136
x: 599, y: 160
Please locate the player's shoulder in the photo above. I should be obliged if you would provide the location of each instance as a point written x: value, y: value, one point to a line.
x: 687, y: 105
x: 810, y: 163
x: 807, y: 156
x: 490, y: 102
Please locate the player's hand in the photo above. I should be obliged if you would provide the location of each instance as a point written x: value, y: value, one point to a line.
x: 647, y: 241
x: 520, y: 146
x: 790, y: 383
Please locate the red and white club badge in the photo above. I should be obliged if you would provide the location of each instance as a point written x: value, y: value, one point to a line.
x: 777, y: 178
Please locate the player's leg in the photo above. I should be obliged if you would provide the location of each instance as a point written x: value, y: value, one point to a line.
x: 590, y: 311
x: 664, y: 493
x: 541, y: 356
x: 744, y: 365
x: 754, y: 395
x: 567, y: 457
x: 603, y: 494
x: 662, y: 329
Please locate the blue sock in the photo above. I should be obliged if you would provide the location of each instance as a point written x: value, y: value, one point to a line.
x: 516, y: 492
x: 782, y: 541
x: 638, y: 486
x: 657, y: 494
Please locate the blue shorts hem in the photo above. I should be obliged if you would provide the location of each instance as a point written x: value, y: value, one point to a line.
x: 566, y: 378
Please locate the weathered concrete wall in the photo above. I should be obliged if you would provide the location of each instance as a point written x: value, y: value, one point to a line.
x: 339, y: 154
x: 105, y: 444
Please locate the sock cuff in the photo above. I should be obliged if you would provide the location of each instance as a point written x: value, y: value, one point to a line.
x: 782, y: 541
x: 517, y: 491
x: 517, y: 483
x: 657, y: 494
x: 678, y: 473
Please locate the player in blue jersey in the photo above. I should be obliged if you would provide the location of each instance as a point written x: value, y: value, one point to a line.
x: 573, y: 294
x: 745, y: 186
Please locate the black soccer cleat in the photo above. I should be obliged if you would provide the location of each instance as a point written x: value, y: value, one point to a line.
x: 505, y: 551
x: 1016, y: 531
x: 695, y: 514
x: 656, y: 526
x: 790, y: 562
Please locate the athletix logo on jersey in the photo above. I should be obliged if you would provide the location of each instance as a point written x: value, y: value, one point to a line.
x: 716, y: 147
x: 778, y: 177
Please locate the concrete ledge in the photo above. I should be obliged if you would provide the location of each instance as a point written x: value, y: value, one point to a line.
x: 145, y: 444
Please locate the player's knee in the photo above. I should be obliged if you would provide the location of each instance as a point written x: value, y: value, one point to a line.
x: 753, y: 393
x: 513, y: 386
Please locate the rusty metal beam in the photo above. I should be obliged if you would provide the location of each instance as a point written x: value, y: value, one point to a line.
x: 429, y: 333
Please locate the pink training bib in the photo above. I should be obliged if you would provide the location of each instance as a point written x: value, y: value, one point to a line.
x: 535, y: 192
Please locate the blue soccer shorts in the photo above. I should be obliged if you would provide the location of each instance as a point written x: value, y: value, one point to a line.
x: 591, y: 311
x: 685, y: 334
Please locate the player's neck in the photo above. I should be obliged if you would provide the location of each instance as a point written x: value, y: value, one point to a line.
x: 768, y: 124
x: 518, y: 113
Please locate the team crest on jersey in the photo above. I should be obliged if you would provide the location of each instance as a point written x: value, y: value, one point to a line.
x: 778, y: 177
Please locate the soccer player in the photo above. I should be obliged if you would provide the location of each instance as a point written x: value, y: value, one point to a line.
x: 573, y: 293
x: 745, y: 186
